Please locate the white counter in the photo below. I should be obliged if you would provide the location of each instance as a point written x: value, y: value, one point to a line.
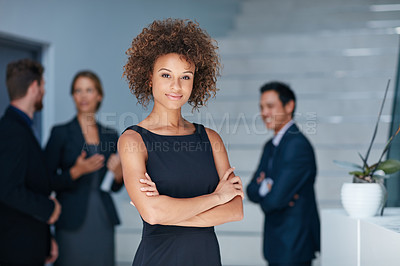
x: 371, y: 241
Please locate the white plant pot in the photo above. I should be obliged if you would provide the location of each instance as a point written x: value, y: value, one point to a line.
x: 361, y: 200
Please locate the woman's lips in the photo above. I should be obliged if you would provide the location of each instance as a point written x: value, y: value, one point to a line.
x: 173, y: 97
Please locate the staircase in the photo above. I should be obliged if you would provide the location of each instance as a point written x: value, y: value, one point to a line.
x: 337, y: 56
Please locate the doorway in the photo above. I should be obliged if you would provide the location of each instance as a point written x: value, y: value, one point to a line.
x: 12, y: 49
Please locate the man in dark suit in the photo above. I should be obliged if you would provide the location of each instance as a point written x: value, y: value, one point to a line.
x: 283, y: 184
x: 26, y: 210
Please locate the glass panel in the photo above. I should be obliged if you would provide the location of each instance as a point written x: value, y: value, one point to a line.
x: 393, y: 183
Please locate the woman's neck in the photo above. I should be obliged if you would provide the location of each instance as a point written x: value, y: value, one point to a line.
x: 163, y: 117
x: 87, y: 119
x: 89, y: 128
x: 166, y: 119
x: 167, y: 122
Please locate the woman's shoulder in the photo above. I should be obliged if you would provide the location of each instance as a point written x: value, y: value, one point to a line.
x: 130, y: 134
x: 133, y: 130
x: 130, y: 141
x: 212, y: 134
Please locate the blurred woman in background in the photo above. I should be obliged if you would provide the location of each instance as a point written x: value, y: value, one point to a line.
x: 79, y: 154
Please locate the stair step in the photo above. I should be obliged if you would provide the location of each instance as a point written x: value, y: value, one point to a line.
x: 291, y: 44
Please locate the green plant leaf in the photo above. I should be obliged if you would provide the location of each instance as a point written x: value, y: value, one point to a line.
x: 348, y: 165
x: 356, y: 173
x: 389, y: 166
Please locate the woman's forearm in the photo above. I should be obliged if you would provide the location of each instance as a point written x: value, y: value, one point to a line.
x: 229, y: 212
x: 168, y: 211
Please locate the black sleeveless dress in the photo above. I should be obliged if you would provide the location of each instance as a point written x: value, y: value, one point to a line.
x: 181, y: 167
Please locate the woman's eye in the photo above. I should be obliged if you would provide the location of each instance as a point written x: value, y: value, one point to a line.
x: 186, y: 77
x: 165, y: 75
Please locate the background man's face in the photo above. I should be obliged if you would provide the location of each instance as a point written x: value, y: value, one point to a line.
x: 273, y: 113
x: 39, y: 98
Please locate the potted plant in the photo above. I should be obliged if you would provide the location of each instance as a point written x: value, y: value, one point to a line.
x: 366, y: 195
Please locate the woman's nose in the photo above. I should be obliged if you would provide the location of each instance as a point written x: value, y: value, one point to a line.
x: 176, y: 84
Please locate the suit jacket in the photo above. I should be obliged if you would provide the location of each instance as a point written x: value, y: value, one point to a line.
x: 25, y: 206
x: 291, y: 234
x: 64, y: 146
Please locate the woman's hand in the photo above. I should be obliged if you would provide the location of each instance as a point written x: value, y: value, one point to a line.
x: 228, y: 188
x: 85, y: 165
x: 56, y: 211
x: 150, y: 187
x: 53, y: 252
x: 114, y: 165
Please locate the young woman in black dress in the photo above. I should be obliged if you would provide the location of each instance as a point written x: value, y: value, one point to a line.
x: 176, y: 172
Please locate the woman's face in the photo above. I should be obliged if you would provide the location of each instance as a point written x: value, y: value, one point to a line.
x: 172, y: 81
x: 86, y: 96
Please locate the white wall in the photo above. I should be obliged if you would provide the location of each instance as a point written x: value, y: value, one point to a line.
x: 94, y: 35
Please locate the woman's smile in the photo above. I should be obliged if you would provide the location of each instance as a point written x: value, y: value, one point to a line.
x: 174, y: 96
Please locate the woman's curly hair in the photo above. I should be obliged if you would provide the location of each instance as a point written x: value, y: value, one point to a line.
x: 183, y: 37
